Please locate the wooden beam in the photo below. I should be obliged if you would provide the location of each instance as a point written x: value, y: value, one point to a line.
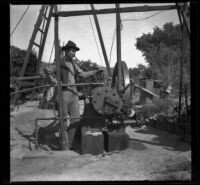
x: 64, y: 138
x: 146, y: 90
x: 101, y: 41
x: 113, y: 10
x: 118, y: 25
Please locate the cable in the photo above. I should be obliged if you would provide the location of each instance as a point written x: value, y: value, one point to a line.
x: 95, y: 39
x: 114, y: 34
x: 123, y: 20
x: 19, y: 20
x: 51, y: 52
x: 141, y: 18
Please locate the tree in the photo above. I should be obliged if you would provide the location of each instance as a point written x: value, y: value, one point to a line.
x: 87, y: 65
x: 17, y: 59
x: 162, y: 51
x: 16, y: 62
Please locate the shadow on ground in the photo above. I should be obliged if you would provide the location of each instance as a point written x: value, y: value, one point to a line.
x: 164, y: 139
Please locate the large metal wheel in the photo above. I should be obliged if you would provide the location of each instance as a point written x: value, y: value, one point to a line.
x: 125, y: 82
x: 106, y: 101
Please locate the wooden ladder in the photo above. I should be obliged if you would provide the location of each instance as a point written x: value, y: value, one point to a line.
x: 42, y: 27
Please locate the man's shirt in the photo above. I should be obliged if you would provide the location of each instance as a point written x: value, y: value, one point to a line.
x: 69, y: 71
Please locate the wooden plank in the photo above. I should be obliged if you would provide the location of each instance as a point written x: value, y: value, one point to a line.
x: 36, y: 44
x: 145, y: 90
x: 41, y: 30
x: 113, y: 10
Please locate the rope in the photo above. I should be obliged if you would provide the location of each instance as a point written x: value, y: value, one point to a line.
x: 19, y: 20
x: 142, y: 18
x: 51, y: 52
x: 95, y: 39
x: 112, y: 45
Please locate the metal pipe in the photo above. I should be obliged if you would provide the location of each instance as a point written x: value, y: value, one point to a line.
x: 56, y: 118
x: 118, y: 22
x: 113, y: 10
x: 59, y: 87
x: 101, y: 41
x: 45, y: 86
x: 29, y: 78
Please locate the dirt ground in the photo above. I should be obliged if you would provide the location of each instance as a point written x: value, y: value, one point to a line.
x: 152, y: 155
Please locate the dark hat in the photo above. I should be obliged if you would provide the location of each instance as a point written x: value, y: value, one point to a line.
x: 70, y: 45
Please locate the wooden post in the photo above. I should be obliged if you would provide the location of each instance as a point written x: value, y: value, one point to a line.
x: 118, y: 23
x: 181, y: 64
x: 101, y: 41
x: 185, y: 20
x: 57, y: 56
x: 186, y: 101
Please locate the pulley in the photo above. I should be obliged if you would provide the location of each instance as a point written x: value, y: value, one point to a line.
x: 126, y: 92
x: 106, y: 100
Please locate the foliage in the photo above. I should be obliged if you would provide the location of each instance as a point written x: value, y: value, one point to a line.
x: 16, y: 62
x: 162, y: 51
x: 158, y: 106
x: 87, y: 65
x: 17, y: 59
x: 141, y: 71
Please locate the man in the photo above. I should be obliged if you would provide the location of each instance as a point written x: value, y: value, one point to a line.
x: 69, y: 71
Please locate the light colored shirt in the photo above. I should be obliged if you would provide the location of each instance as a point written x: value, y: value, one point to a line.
x: 69, y: 71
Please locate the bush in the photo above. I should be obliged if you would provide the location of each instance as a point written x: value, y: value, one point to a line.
x: 157, y: 107
x: 17, y: 59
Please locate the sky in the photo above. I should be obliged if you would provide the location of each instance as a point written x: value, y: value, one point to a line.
x: 79, y: 30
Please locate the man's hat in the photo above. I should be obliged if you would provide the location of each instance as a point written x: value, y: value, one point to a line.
x: 70, y: 45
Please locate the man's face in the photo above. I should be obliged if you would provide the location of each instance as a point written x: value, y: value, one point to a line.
x: 70, y: 53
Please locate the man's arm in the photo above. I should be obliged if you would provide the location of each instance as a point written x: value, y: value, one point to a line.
x: 86, y: 74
